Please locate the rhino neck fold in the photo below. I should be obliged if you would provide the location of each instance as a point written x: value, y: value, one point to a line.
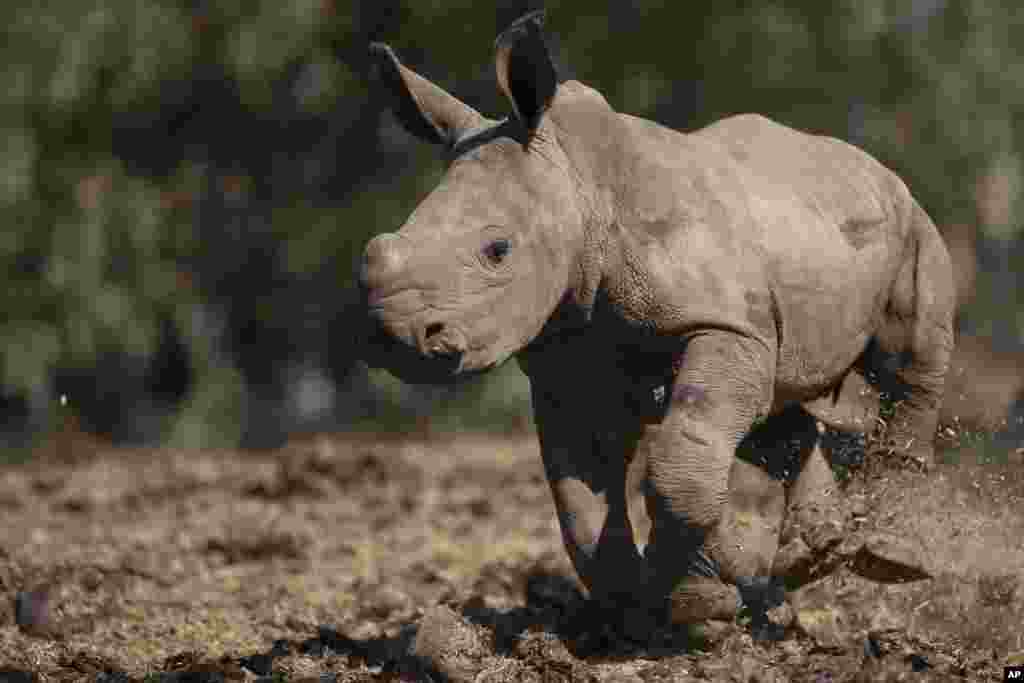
x: 593, y: 139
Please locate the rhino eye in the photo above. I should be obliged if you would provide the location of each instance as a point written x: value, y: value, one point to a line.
x: 496, y: 251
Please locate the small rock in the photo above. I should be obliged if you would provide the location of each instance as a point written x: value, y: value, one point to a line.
x: 448, y: 645
x: 782, y: 615
x: 824, y: 624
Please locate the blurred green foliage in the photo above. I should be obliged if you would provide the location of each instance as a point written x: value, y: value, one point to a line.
x: 97, y: 251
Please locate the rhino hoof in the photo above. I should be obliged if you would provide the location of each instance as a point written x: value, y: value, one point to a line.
x: 889, y: 559
x: 822, y: 527
x: 696, y: 599
x: 798, y: 564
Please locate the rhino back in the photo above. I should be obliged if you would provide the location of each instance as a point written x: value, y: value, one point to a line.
x: 749, y: 224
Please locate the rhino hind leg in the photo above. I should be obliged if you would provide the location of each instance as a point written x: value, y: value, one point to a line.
x: 795, y: 448
x: 788, y: 450
x: 818, y: 535
x: 817, y: 523
x: 752, y: 522
x: 911, y: 353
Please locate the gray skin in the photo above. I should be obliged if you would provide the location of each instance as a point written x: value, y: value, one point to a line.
x: 663, y: 292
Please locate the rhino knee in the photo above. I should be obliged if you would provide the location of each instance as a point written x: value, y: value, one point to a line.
x: 687, y: 475
x: 688, y: 498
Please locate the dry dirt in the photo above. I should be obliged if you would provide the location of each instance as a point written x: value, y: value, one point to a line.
x: 344, y: 558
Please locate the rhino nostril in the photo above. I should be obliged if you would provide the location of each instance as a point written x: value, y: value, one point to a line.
x: 434, y: 329
x: 443, y: 343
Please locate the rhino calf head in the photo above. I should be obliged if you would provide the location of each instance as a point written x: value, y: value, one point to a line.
x: 481, y: 264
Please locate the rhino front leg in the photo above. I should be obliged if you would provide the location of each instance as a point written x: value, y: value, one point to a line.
x: 588, y: 478
x: 723, y: 384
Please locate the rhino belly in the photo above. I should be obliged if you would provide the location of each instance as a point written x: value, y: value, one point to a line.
x: 826, y: 326
x: 830, y: 385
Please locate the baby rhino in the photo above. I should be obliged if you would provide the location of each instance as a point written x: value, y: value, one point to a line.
x: 665, y: 293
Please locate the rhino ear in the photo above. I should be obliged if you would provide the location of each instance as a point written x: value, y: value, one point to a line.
x: 423, y: 108
x: 526, y: 72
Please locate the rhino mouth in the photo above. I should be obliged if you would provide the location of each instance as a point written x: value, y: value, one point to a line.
x: 383, y: 351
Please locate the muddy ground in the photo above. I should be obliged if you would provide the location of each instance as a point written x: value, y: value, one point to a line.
x: 335, y: 558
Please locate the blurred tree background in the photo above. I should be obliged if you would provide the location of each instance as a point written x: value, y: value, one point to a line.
x: 187, y: 185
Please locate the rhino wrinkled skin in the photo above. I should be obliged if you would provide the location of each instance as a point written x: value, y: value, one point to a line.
x: 664, y: 292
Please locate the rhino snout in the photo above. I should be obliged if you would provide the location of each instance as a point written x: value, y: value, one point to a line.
x: 441, y: 344
x: 383, y: 265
